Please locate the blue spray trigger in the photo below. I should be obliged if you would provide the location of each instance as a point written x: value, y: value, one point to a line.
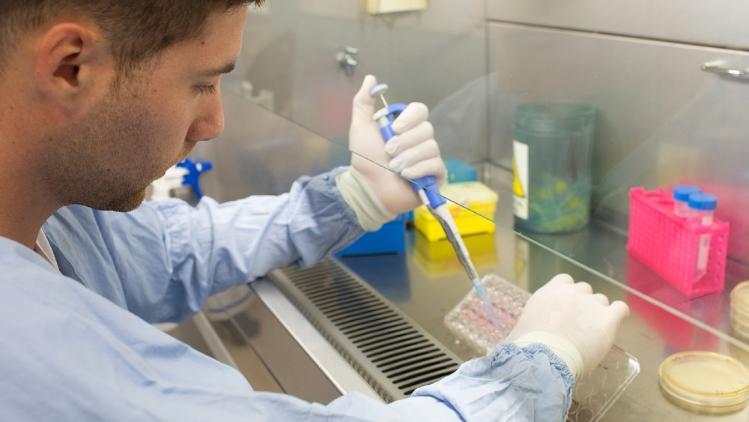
x: 194, y: 170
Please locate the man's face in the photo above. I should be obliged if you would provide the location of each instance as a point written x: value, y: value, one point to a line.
x: 150, y: 120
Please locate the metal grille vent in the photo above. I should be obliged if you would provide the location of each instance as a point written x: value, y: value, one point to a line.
x: 388, y: 349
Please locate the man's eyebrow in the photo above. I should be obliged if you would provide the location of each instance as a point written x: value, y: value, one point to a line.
x: 219, y: 71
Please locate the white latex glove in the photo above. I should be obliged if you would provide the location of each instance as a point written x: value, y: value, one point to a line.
x: 574, y: 323
x: 375, y: 194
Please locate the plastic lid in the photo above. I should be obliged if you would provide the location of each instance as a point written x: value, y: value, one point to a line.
x: 703, y: 201
x: 553, y: 117
x: 470, y: 194
x: 682, y: 192
x: 705, y: 382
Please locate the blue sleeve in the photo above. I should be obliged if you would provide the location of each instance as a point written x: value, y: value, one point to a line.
x: 129, y: 375
x: 163, y: 260
x: 69, y: 354
x: 510, y: 384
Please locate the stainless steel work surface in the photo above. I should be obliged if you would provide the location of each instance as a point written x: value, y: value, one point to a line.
x: 426, y: 290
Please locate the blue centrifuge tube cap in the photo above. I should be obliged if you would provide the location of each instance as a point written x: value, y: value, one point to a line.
x: 682, y: 192
x: 703, y: 201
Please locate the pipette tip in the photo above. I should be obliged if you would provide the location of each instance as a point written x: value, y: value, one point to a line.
x: 486, y: 303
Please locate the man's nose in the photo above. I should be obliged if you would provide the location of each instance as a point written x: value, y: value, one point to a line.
x: 211, y: 124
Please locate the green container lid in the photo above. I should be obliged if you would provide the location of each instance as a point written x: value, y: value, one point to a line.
x: 553, y: 117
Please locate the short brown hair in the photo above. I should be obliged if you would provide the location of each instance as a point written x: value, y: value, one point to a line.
x: 137, y: 29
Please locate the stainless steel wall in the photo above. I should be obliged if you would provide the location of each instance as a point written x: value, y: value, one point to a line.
x: 721, y: 23
x: 427, y: 56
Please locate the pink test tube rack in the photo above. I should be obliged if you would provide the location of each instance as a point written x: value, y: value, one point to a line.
x: 669, y: 244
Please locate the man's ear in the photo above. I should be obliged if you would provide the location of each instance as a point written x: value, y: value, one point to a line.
x: 73, y: 64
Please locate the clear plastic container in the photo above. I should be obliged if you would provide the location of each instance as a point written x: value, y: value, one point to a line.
x: 701, y: 209
x: 552, y: 162
x: 681, y: 195
x: 705, y: 382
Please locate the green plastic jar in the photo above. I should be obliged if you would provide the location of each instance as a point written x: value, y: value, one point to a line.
x: 552, y: 153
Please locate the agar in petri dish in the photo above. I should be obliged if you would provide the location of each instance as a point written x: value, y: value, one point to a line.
x: 705, y: 382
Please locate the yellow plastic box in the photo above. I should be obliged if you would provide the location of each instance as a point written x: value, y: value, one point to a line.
x: 438, y: 258
x: 474, y: 195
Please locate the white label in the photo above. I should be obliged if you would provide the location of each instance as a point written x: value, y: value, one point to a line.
x: 520, y: 179
x: 703, y: 254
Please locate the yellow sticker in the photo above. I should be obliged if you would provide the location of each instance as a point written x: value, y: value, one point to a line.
x: 520, y: 180
x: 517, y: 187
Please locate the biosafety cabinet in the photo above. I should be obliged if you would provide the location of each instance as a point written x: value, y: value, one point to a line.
x: 670, y: 88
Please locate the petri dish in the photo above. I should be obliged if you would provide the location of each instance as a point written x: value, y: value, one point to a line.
x: 741, y: 318
x: 740, y: 353
x: 740, y: 296
x: 705, y: 382
x: 740, y: 314
x: 740, y: 329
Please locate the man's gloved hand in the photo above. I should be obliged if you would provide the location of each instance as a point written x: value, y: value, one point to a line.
x: 574, y: 323
x: 375, y: 194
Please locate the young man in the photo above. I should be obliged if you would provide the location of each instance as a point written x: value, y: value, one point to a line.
x: 98, y: 99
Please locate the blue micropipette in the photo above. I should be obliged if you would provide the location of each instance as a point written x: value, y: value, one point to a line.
x: 428, y: 191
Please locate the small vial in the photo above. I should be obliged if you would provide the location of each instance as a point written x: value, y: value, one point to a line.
x: 681, y: 199
x: 701, y: 209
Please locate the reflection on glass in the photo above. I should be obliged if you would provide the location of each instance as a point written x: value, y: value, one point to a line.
x: 677, y: 333
x: 437, y: 258
x: 386, y: 273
